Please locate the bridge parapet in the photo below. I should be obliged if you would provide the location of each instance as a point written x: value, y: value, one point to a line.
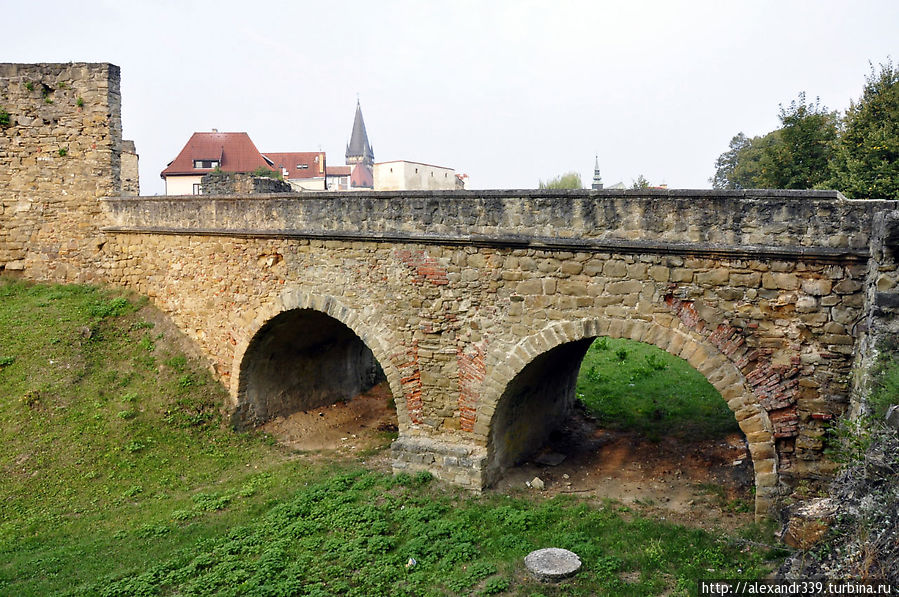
x: 791, y: 224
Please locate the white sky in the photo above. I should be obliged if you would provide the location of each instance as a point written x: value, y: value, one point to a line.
x: 509, y: 92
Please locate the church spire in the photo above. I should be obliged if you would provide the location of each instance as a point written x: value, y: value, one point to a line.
x: 359, y: 150
x: 597, y: 179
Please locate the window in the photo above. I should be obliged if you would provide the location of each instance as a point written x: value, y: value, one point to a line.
x: 198, y: 189
x: 302, y: 166
x: 204, y: 164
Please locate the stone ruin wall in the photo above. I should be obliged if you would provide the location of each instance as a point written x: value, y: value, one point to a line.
x: 130, y: 172
x: 59, y: 154
x: 879, y: 327
x: 233, y: 183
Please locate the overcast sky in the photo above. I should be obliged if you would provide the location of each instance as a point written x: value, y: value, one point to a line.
x: 509, y: 92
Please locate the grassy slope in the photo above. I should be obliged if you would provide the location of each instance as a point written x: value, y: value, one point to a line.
x: 635, y: 386
x: 119, y: 478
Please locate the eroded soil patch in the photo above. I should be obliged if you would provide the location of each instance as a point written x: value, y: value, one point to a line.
x: 363, y: 424
x: 705, y: 483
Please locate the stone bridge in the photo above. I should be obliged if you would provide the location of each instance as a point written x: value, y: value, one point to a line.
x: 477, y: 307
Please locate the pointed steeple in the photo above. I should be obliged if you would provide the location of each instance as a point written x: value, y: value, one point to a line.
x: 597, y: 179
x: 359, y: 150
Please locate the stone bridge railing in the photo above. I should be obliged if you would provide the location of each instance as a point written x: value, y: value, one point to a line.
x: 794, y: 224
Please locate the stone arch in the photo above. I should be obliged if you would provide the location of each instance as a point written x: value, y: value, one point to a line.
x: 562, y: 341
x: 317, y: 308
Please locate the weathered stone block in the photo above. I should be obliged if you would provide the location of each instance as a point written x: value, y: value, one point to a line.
x: 659, y: 273
x: 615, y: 269
x: 806, y: 304
x: 715, y: 277
x: 572, y: 268
x: 847, y: 286
x: 681, y: 275
x: 780, y: 281
x: 623, y: 287
x: 530, y: 286
x: 817, y: 286
x: 747, y: 280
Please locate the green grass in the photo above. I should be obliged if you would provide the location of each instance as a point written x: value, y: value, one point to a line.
x: 633, y: 386
x: 119, y: 478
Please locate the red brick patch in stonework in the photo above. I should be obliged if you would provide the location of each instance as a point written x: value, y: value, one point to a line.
x: 785, y: 422
x: 411, y: 381
x: 472, y: 372
x: 775, y: 386
x: 426, y: 268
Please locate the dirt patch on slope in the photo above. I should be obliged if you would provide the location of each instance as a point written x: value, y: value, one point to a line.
x: 704, y: 483
x: 363, y: 424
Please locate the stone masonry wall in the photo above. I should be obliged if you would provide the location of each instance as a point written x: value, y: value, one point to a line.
x: 453, y: 319
x: 59, y: 154
x: 879, y: 329
x: 235, y: 183
x: 130, y: 170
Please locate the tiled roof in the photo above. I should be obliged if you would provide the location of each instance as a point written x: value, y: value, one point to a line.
x: 235, y: 152
x: 314, y: 162
x: 339, y: 170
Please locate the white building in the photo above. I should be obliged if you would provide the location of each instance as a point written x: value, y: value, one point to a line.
x: 402, y: 175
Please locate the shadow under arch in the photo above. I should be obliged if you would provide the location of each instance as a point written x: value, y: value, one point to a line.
x: 303, y: 351
x: 532, y: 389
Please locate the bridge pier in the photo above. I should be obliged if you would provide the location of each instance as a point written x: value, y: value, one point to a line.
x: 457, y: 462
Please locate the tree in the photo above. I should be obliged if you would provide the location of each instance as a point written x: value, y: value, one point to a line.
x: 795, y: 156
x: 569, y: 180
x: 801, y: 158
x: 727, y: 163
x: 640, y: 183
x: 866, y: 164
x: 741, y: 167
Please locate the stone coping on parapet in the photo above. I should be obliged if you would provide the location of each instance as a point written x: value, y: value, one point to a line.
x: 528, y: 193
x: 707, y: 250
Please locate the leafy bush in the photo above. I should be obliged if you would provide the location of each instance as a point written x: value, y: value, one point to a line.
x: 266, y: 173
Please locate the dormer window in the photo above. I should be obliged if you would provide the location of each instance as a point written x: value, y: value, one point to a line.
x: 206, y: 164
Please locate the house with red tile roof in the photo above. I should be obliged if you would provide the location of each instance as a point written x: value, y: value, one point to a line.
x: 204, y: 152
x: 304, y: 170
x: 339, y: 177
